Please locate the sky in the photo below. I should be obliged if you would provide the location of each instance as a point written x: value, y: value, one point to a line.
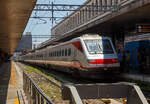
x: 43, y: 26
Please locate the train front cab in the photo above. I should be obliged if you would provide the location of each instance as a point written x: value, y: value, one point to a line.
x: 101, y: 56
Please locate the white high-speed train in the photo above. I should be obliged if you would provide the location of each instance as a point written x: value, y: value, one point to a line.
x: 87, y: 56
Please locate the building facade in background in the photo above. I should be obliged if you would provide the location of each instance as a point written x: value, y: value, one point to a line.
x: 25, y: 43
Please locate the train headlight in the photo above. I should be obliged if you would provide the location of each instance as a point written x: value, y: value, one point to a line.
x: 116, y: 59
x: 91, y: 61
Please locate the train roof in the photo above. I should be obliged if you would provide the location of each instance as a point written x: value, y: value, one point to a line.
x: 83, y: 37
x: 93, y: 36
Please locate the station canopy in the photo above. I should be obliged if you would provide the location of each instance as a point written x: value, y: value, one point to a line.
x: 14, y: 15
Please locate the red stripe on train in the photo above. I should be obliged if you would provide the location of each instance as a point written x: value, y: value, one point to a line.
x: 78, y: 46
x: 103, y: 61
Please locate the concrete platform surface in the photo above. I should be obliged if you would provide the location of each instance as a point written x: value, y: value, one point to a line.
x: 10, y: 84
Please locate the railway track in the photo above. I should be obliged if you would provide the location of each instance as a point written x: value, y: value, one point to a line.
x: 47, y: 83
x: 68, y: 78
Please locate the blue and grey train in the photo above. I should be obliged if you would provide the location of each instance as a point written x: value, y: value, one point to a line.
x: 139, y: 49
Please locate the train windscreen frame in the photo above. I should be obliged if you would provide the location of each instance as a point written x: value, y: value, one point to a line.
x: 99, y: 46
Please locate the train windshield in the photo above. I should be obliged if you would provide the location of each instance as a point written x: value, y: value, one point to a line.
x: 98, y: 46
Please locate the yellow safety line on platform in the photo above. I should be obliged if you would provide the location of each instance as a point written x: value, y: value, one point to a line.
x: 13, y: 78
x: 16, y: 101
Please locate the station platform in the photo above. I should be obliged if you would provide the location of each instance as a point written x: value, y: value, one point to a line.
x: 11, y: 84
x: 140, y: 77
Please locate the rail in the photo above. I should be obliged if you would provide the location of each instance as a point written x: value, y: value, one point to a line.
x: 75, y: 93
x: 33, y: 92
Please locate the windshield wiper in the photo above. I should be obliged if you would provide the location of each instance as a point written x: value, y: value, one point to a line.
x: 96, y: 52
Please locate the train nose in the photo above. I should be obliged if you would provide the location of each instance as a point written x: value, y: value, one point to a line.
x: 103, y: 61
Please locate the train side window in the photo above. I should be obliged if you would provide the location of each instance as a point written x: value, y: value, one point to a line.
x: 63, y: 52
x: 52, y: 54
x: 60, y: 53
x: 66, y: 52
x: 55, y: 53
x: 69, y: 52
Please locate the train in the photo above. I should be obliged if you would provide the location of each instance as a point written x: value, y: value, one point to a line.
x: 88, y: 56
x: 138, y: 47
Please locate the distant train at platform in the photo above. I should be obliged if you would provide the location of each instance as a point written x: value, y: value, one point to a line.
x: 88, y: 56
x: 139, y: 49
